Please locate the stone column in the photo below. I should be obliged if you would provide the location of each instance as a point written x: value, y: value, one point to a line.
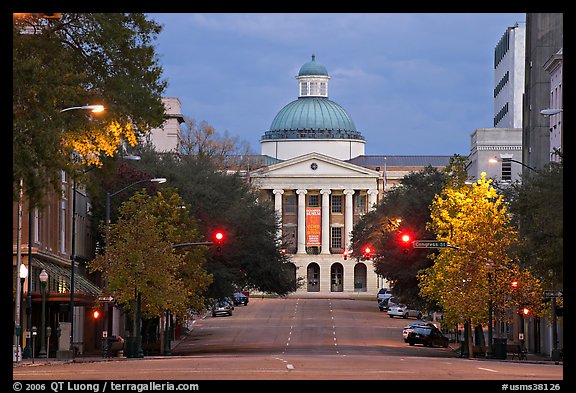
x: 301, y: 221
x: 278, y: 208
x: 348, y: 218
x: 372, y: 198
x: 325, y: 221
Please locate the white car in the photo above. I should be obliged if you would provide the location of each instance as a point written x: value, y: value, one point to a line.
x: 383, y: 293
x: 404, y: 311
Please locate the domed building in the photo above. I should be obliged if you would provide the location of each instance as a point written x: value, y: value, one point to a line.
x: 312, y: 123
x: 317, y: 194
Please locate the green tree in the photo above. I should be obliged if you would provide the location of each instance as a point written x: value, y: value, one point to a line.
x: 405, y: 208
x: 537, y: 207
x: 477, y: 268
x: 140, y: 257
x: 251, y: 256
x: 82, y: 58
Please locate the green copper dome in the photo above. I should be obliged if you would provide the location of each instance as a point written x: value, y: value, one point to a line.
x: 313, y: 68
x: 312, y: 117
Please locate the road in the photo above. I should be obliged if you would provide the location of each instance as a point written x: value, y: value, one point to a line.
x: 300, y: 339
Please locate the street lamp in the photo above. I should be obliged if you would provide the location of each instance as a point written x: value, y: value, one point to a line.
x: 23, y: 274
x: 495, y: 160
x: 43, y: 280
x: 93, y: 109
x: 550, y: 112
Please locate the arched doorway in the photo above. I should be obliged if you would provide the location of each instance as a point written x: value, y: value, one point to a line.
x: 360, y: 277
x: 336, y: 278
x: 313, y: 277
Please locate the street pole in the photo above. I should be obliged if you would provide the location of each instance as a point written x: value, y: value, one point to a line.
x: 43, y: 279
x: 27, y: 349
x: 72, y: 267
x: 17, y: 327
x: 490, y: 353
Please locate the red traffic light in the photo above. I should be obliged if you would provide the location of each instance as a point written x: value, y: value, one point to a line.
x: 525, y: 311
x: 96, y: 314
x: 345, y: 254
x: 515, y: 284
x: 367, y: 251
x: 219, y: 236
x: 405, y: 238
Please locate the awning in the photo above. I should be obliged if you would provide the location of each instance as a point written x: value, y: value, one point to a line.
x: 59, y: 279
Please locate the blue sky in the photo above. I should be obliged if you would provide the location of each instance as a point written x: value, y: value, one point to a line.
x: 413, y: 83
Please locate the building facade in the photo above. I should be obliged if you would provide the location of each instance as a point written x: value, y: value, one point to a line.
x: 321, y: 184
x: 554, y: 67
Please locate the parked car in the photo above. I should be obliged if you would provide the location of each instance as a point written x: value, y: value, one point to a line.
x: 239, y: 298
x: 222, y: 307
x: 404, y: 311
x: 408, y: 328
x: 428, y: 336
x: 384, y: 304
x: 383, y: 293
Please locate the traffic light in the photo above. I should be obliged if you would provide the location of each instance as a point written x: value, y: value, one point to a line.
x: 514, y: 284
x: 367, y: 252
x: 405, y: 241
x: 525, y: 311
x: 96, y: 314
x: 218, y: 239
x: 345, y: 255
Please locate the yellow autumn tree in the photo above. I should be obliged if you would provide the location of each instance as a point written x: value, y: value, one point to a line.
x: 91, y: 144
x: 476, y: 271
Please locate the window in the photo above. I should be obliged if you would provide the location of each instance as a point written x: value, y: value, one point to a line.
x: 313, y: 200
x: 63, y: 215
x: 336, y: 203
x: 313, y: 88
x: 336, y: 238
x: 506, y: 169
x: 289, y: 204
x: 303, y: 88
x: 359, y: 203
x: 323, y: 89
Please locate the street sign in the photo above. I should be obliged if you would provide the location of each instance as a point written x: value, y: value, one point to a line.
x: 429, y: 244
x: 549, y: 293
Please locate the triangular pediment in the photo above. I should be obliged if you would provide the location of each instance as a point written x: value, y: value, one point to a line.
x: 314, y: 165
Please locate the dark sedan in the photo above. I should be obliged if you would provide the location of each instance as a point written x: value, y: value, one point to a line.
x: 239, y: 298
x: 428, y: 336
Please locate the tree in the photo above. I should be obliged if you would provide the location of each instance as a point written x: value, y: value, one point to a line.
x: 477, y: 268
x: 537, y: 206
x: 409, y: 203
x: 140, y: 259
x: 251, y: 256
x: 80, y: 59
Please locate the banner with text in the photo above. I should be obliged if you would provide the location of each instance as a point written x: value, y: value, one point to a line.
x: 313, y: 226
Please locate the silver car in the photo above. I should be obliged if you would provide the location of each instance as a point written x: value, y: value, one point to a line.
x: 404, y: 311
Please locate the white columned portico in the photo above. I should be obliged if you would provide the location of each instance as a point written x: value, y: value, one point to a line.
x: 301, y: 221
x: 371, y: 199
x: 278, y: 207
x: 325, y: 221
x: 348, y: 218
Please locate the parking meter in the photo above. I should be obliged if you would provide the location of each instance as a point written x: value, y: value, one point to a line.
x: 48, y: 331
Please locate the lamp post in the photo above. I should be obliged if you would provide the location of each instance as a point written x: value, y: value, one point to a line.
x: 23, y: 274
x: 490, y: 351
x: 43, y: 280
x: 93, y: 109
x: 495, y: 160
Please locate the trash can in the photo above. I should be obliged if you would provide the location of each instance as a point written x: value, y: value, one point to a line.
x: 114, y: 345
x: 499, y: 348
x: 131, y: 347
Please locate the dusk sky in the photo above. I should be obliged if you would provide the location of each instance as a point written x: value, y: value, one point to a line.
x: 413, y: 83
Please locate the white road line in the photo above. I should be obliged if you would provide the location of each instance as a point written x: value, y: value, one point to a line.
x: 488, y: 369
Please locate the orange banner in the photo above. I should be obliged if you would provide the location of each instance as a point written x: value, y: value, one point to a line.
x: 313, y: 226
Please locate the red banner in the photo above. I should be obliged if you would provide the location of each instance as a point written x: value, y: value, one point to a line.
x: 313, y: 226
